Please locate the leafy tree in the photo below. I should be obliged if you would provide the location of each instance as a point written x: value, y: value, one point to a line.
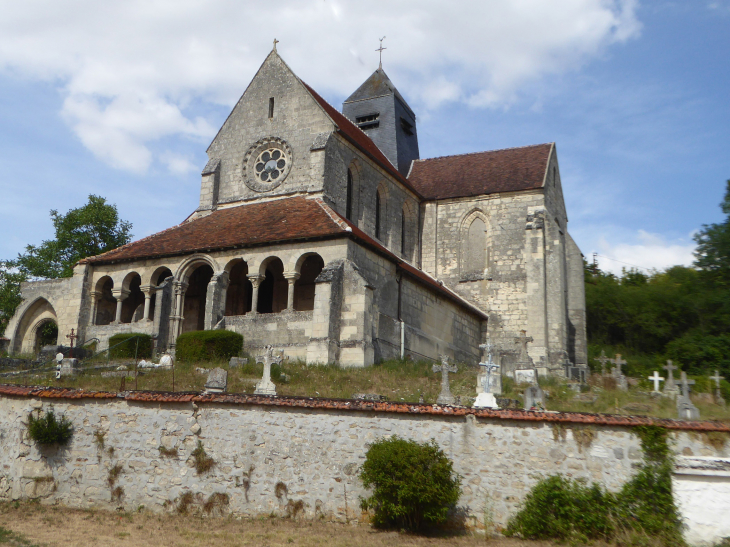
x: 713, y: 246
x: 86, y: 231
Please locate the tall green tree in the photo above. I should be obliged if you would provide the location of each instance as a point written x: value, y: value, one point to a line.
x: 85, y: 231
x: 713, y: 246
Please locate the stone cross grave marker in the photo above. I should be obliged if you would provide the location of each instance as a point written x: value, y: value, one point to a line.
x: 656, y: 379
x: 523, y: 340
x: 445, y: 397
x: 489, y: 385
x: 718, y: 395
x: 266, y: 386
x: 616, y: 372
x: 685, y: 385
x: 685, y: 409
x: 670, y: 385
x: 603, y: 360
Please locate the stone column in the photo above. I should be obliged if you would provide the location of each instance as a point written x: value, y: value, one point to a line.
x: 95, y: 295
x: 215, y: 301
x: 291, y: 278
x: 322, y: 346
x: 179, y: 287
x: 148, y: 291
x: 120, y: 295
x: 255, y: 282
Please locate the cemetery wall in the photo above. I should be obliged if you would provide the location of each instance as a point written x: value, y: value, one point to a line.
x: 273, y: 453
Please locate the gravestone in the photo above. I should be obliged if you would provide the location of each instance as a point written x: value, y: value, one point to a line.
x: 489, y: 381
x: 534, y: 398
x: 621, y: 382
x: 265, y: 385
x: 656, y: 379
x: 525, y: 376
x: 670, y: 386
x: 524, y: 371
x: 718, y: 394
x: 685, y: 409
x: 166, y: 360
x: 69, y: 367
x: 237, y: 362
x: 217, y: 381
x: 576, y: 373
x: 445, y: 397
x: 603, y: 360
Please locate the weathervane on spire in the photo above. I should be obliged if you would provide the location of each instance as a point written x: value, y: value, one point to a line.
x: 275, y: 42
x: 380, y: 49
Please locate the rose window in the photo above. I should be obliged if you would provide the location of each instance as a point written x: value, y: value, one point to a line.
x: 270, y: 165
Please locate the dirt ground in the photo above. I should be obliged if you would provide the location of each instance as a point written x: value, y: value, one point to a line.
x: 34, y: 525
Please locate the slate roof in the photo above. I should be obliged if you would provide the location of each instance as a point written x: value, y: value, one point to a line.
x: 479, y: 173
x: 377, y: 85
x: 340, y: 405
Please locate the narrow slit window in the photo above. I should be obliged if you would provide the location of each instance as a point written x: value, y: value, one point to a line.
x: 348, y: 198
x: 377, y: 214
x: 271, y: 107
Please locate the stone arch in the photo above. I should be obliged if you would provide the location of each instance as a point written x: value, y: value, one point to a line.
x: 240, y: 290
x: 197, y: 275
x: 352, y: 191
x: 381, y: 212
x: 273, y: 290
x: 474, y: 245
x: 106, y: 304
x: 37, y: 313
x: 156, y: 278
x: 39, y: 334
x: 133, y: 303
x: 408, y: 231
x: 191, y: 263
x: 309, y: 266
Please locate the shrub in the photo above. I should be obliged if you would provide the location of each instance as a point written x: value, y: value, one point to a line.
x: 414, y: 484
x: 208, y: 345
x: 128, y: 345
x: 48, y: 430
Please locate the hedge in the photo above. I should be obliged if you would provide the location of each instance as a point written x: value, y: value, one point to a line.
x: 128, y: 344
x: 208, y: 345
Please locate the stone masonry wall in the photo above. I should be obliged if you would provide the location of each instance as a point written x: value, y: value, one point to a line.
x: 314, y: 452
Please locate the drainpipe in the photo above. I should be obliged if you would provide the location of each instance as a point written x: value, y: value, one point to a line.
x: 399, y: 279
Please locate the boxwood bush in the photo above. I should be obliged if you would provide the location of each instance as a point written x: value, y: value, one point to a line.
x: 414, y: 485
x: 128, y: 344
x: 208, y: 345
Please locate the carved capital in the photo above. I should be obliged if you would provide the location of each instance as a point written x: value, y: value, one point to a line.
x: 148, y: 290
x: 120, y: 294
x: 291, y: 277
x: 256, y: 280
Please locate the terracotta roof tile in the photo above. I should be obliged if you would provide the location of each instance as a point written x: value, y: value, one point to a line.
x: 289, y: 219
x: 363, y: 406
x: 481, y: 173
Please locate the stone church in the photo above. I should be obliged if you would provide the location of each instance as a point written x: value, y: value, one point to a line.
x: 324, y: 234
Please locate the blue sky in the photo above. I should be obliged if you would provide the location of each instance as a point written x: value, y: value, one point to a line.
x: 122, y: 99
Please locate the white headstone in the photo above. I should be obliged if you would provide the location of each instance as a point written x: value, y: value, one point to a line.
x: 656, y: 379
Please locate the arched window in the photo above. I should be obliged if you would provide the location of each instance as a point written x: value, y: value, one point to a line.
x: 304, y: 287
x: 348, y: 198
x: 475, y: 258
x: 377, y: 214
x: 240, y: 290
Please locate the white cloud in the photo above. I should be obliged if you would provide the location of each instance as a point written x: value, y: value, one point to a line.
x: 130, y: 70
x: 647, y: 251
x: 178, y: 164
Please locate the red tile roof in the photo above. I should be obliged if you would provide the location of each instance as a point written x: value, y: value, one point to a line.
x: 362, y: 406
x: 292, y: 219
x: 358, y: 138
x: 481, y: 173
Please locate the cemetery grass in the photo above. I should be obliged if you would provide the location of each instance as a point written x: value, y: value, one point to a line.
x: 30, y: 524
x: 399, y: 381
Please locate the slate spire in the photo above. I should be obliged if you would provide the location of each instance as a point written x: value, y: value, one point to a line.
x: 384, y: 115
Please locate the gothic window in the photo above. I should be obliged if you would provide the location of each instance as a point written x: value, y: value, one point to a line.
x: 475, y: 251
x: 348, y: 198
x: 377, y: 214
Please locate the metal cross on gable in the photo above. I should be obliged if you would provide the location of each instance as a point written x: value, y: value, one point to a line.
x: 603, y: 360
x: 717, y: 378
x: 380, y: 49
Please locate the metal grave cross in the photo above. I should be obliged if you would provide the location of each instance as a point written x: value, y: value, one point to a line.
x: 685, y: 385
x: 445, y: 397
x: 717, y: 378
x: 656, y: 379
x: 603, y: 360
x: 72, y: 337
x: 670, y: 368
x: 523, y: 340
